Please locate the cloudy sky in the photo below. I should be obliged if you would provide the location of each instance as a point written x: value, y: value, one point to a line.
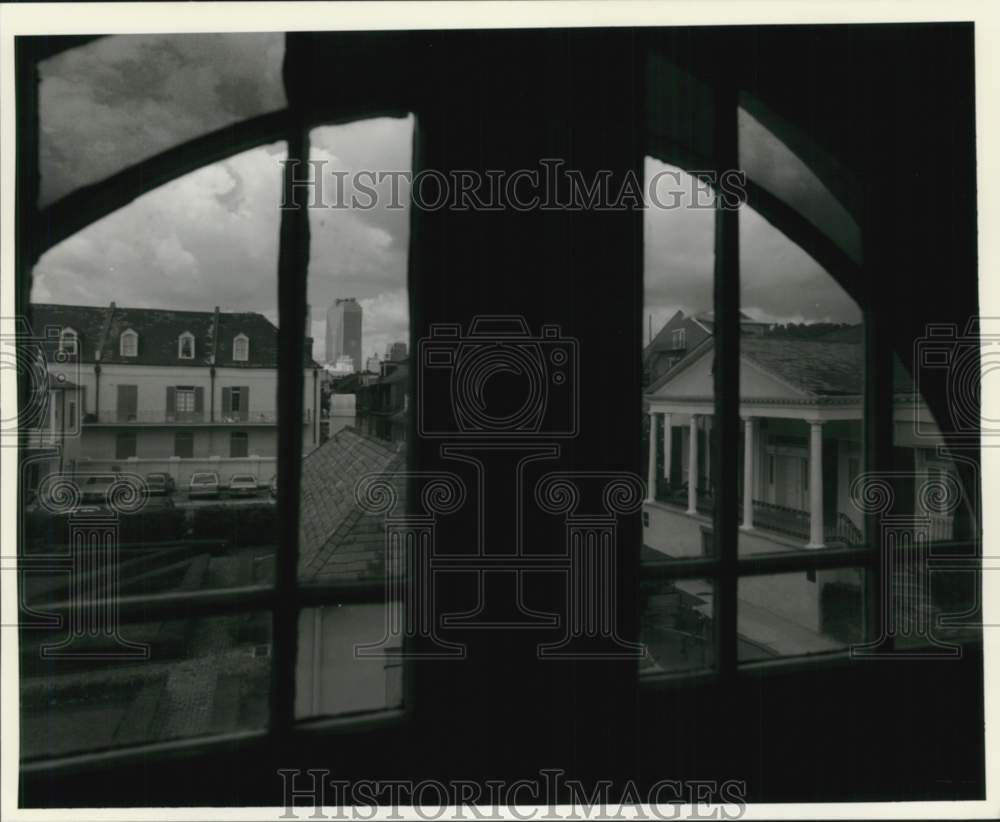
x: 210, y: 238
x: 780, y: 282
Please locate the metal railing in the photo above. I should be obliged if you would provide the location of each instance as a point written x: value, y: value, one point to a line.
x: 187, y: 418
x: 781, y: 519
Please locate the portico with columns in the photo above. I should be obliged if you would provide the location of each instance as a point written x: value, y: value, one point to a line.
x: 800, y: 448
x: 802, y: 412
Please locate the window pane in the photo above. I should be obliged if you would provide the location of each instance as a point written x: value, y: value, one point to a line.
x: 809, y: 612
x: 360, y: 333
x: 115, y: 101
x: 145, y: 442
x: 801, y: 398
x: 344, y: 663
x: 677, y: 625
x: 153, y: 681
x: 679, y: 393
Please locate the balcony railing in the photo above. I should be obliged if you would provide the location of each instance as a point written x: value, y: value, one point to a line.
x: 779, y: 519
x: 188, y: 418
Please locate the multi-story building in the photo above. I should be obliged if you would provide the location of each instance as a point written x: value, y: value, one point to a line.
x: 683, y: 333
x: 395, y: 352
x: 382, y: 405
x: 175, y: 391
x: 802, y: 407
x: 343, y: 331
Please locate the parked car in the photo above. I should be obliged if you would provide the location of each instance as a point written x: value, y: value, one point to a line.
x: 274, y: 486
x: 95, y: 488
x: 204, y: 484
x: 243, y: 485
x: 160, y: 484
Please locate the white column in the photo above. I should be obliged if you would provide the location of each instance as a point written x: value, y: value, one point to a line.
x: 651, y: 472
x: 748, y: 472
x: 815, y: 485
x: 693, y: 466
x: 667, y: 431
x: 706, y: 425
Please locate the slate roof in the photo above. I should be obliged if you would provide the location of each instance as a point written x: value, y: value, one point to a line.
x: 100, y: 328
x: 338, y: 541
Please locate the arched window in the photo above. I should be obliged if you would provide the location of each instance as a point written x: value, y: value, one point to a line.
x: 185, y: 346
x: 241, y: 348
x: 129, y: 344
x: 69, y: 341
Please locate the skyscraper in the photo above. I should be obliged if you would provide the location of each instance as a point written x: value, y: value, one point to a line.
x: 343, y: 331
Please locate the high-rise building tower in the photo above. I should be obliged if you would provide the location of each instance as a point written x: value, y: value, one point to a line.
x: 343, y: 331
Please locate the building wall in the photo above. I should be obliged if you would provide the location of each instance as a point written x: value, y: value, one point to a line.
x: 263, y: 468
x: 151, y: 406
x: 158, y: 443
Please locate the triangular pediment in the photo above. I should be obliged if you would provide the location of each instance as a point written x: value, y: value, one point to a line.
x: 695, y: 381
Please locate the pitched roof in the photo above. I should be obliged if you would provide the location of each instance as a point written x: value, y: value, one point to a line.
x: 337, y: 539
x: 819, y: 367
x: 100, y: 329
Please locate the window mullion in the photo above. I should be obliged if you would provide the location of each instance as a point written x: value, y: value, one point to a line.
x: 726, y: 429
x: 293, y: 261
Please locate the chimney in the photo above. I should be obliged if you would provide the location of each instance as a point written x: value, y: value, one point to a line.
x: 215, y: 336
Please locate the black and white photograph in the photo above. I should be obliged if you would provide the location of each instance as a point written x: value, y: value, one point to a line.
x: 499, y: 410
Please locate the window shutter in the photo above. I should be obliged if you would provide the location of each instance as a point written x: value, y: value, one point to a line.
x: 199, y: 399
x: 244, y: 401
x: 226, y: 405
x: 171, y: 399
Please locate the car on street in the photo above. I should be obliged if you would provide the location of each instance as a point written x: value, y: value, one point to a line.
x: 95, y: 488
x: 243, y: 485
x: 160, y: 484
x: 204, y: 484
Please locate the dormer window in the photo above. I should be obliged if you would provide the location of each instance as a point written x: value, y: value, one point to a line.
x: 241, y: 348
x: 128, y: 345
x: 679, y: 338
x: 68, y: 341
x: 185, y: 346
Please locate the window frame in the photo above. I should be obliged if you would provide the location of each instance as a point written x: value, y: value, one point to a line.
x: 287, y: 597
x: 69, y: 335
x: 190, y: 439
x: 185, y: 337
x: 132, y: 336
x: 245, y: 340
x: 234, y: 436
x: 126, y: 436
x: 727, y: 566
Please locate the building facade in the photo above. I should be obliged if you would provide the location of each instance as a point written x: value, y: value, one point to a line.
x: 802, y: 407
x: 173, y: 391
x: 343, y: 331
x: 382, y: 405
